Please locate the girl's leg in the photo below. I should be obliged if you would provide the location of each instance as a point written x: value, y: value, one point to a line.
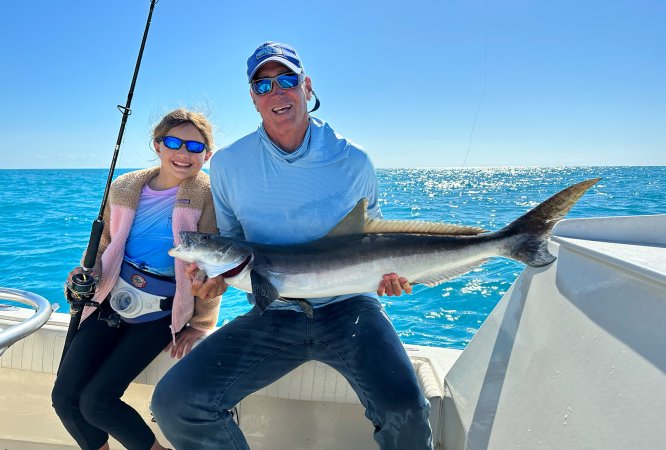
x: 100, y: 400
x: 90, y: 347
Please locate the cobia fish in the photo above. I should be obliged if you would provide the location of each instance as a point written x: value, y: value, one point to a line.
x: 356, y: 254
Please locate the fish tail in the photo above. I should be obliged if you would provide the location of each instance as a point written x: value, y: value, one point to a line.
x: 527, y: 237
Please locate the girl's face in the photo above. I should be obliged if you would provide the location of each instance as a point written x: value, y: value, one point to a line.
x: 179, y: 164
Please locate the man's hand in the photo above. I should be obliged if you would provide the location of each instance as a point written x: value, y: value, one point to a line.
x: 184, y: 342
x: 392, y: 284
x: 203, y: 287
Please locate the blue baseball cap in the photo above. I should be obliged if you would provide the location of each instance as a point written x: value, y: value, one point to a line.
x: 274, y: 51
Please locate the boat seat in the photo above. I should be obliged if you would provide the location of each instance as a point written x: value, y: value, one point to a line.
x: 314, y: 381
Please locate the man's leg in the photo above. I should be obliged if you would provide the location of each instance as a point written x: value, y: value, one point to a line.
x: 193, y: 401
x: 356, y: 338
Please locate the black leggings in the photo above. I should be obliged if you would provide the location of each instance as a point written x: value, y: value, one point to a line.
x: 100, y: 363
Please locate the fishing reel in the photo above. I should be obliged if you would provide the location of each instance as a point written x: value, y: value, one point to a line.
x: 80, y: 291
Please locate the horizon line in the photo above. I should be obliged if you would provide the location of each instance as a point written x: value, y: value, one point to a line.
x: 504, y: 166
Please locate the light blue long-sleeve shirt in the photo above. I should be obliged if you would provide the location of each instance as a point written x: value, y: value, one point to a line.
x: 266, y: 195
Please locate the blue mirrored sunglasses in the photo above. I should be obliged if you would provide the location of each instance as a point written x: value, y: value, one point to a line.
x: 175, y: 143
x: 263, y: 86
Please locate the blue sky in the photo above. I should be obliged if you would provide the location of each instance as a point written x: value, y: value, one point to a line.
x: 417, y: 84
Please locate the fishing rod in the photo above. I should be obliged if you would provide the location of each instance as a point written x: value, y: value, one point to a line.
x: 81, y: 289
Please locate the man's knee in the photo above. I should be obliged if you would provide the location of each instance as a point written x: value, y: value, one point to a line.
x: 403, y: 408
x: 175, y: 404
x: 172, y: 397
x: 164, y: 401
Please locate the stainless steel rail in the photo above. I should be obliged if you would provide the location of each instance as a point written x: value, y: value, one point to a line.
x: 17, y: 332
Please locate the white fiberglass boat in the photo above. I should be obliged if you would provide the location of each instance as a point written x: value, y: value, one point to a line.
x: 572, y: 357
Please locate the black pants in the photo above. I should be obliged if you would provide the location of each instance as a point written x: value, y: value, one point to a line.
x: 99, y: 365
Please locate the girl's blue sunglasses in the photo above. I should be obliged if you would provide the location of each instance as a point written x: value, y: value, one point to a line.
x: 175, y: 143
x: 263, y: 86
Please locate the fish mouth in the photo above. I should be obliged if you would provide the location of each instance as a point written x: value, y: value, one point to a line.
x: 175, y: 252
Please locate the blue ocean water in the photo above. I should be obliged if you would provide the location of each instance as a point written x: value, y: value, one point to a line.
x: 46, y: 215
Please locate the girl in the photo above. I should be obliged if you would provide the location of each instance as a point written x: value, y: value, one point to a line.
x: 141, y: 287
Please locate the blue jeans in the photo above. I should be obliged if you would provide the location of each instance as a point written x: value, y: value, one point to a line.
x: 193, y: 401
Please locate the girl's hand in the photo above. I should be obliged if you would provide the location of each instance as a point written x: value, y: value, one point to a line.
x: 203, y: 287
x: 392, y: 284
x: 184, y: 342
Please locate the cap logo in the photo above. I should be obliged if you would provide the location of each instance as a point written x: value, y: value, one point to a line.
x: 138, y: 281
x: 268, y: 50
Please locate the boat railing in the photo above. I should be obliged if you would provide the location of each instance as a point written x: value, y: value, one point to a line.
x: 43, y: 310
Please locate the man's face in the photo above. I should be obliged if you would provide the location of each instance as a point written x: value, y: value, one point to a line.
x: 281, y: 108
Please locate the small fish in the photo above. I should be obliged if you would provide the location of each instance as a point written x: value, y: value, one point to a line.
x: 356, y: 254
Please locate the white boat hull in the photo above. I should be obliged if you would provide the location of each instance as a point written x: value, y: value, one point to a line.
x: 573, y: 356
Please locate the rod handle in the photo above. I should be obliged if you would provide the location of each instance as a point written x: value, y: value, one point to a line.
x: 93, y: 244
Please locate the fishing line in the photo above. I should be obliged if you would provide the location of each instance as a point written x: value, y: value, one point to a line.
x: 419, y: 289
x: 483, y: 88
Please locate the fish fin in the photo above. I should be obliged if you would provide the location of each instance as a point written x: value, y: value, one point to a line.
x: 528, y: 235
x: 418, y: 227
x: 262, y: 289
x: 358, y: 222
x: 352, y: 222
x: 437, y: 277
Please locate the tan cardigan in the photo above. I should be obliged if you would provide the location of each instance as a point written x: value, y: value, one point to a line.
x: 193, y: 212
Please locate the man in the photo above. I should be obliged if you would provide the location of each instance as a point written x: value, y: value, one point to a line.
x: 291, y: 181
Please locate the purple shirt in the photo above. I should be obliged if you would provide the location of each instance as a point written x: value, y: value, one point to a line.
x: 151, y: 235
